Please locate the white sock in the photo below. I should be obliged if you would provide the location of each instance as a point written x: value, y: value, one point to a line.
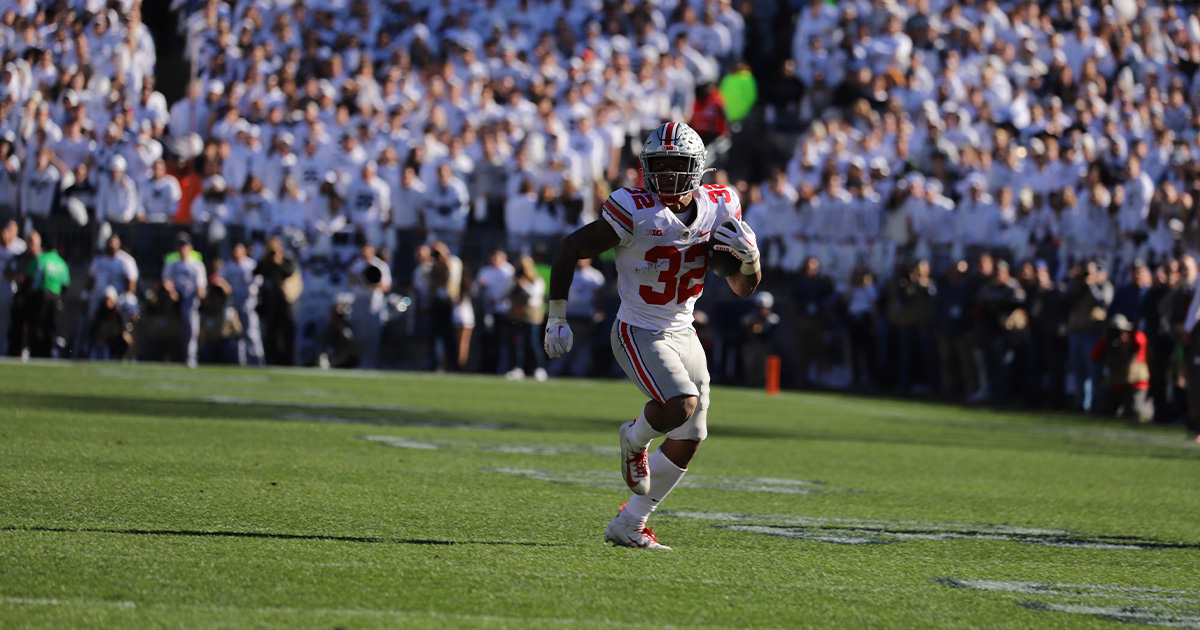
x: 664, y: 476
x: 641, y: 432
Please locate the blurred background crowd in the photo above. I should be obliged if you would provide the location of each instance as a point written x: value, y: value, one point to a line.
x: 987, y: 200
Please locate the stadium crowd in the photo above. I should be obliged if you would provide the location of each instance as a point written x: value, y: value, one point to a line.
x: 989, y: 200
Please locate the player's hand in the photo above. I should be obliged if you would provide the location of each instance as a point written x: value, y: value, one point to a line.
x: 741, y: 241
x: 559, y: 337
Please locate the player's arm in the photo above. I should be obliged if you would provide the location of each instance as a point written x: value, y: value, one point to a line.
x: 744, y: 284
x: 742, y: 243
x: 588, y: 241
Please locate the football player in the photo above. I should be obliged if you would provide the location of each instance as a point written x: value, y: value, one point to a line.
x: 660, y: 234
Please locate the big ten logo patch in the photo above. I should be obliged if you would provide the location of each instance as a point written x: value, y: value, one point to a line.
x: 653, y: 232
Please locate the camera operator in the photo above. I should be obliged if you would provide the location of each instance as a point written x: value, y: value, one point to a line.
x: 1122, y: 353
x: 446, y: 279
x: 370, y: 280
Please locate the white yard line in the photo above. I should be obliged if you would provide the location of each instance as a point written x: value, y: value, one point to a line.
x: 431, y: 423
x: 87, y: 603
x: 305, y: 404
x: 517, y: 448
x: 1135, y: 593
x: 610, y: 479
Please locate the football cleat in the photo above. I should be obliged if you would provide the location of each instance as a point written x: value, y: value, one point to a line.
x: 621, y: 533
x: 633, y: 463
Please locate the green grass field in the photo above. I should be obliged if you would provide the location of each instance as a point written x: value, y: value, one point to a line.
x: 151, y: 496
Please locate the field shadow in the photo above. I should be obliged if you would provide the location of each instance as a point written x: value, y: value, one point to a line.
x: 246, y: 410
x: 1021, y: 439
x: 274, y: 536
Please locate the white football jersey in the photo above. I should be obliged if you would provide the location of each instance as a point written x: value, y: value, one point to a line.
x: 661, y: 263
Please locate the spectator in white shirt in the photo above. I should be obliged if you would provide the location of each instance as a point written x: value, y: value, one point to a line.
x: 979, y: 222
x: 350, y: 155
x: 75, y: 147
x: 867, y: 211
x: 255, y: 210
x: 837, y: 217
x: 311, y: 166
x: 281, y: 163
x: 491, y: 291
x: 40, y: 185
x: 799, y: 228
x: 892, y: 48
x: 447, y: 208
x: 518, y: 216
x: 916, y: 206
x: 118, y: 198
x: 549, y: 214
x: 591, y: 147
x: 409, y: 205
x: 143, y: 153
x: 1167, y: 207
x: 160, y: 195
x: 236, y: 165
x: 114, y: 145
x: 1044, y: 226
x: 294, y: 209
x: 113, y: 268
x: 214, y: 204
x: 370, y: 203
x: 1074, y: 225
x: 1139, y: 190
x: 190, y: 114
x: 818, y: 21
x: 772, y: 217
x: 151, y: 105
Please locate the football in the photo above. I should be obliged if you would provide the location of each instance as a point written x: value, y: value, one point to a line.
x: 720, y: 259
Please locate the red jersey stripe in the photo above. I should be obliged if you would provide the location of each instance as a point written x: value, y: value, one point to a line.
x: 638, y: 365
x: 618, y: 215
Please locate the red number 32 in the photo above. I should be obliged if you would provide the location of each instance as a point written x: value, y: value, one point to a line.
x: 718, y: 193
x: 676, y: 286
x: 642, y: 201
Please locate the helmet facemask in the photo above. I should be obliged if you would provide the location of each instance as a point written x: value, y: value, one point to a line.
x: 672, y: 175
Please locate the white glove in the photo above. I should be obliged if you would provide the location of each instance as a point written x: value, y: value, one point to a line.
x: 740, y: 241
x: 559, y: 337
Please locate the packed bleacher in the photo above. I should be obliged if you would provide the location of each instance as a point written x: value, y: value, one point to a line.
x: 989, y: 201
